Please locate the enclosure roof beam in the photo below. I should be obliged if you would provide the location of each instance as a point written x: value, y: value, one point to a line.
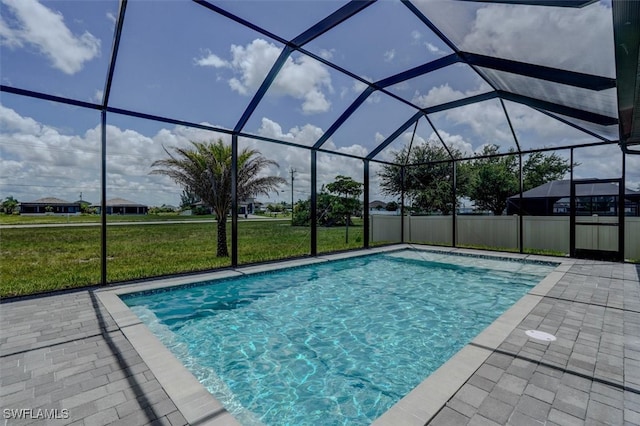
x: 337, y: 17
x: 262, y: 90
x: 114, y: 53
x: 461, y: 102
x: 430, y: 25
x: 571, y: 78
x: 444, y: 145
x: 345, y: 115
x: 575, y: 126
x: 394, y: 135
x: 48, y: 97
x: 419, y: 70
x: 241, y: 21
x: 580, y: 114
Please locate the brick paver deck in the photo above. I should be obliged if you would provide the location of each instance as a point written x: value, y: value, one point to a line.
x: 64, y: 352
x: 589, y: 376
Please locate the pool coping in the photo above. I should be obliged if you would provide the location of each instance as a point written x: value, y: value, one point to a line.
x: 200, y: 407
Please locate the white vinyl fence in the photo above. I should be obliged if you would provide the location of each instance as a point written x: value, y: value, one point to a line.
x: 540, y: 232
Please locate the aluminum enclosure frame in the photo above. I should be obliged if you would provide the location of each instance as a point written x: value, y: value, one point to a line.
x: 341, y: 17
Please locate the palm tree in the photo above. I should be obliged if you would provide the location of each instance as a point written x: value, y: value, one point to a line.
x: 205, y: 170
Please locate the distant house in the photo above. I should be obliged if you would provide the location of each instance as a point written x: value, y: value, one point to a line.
x: 246, y: 206
x: 377, y: 205
x: 49, y: 205
x: 122, y: 206
x: 553, y: 198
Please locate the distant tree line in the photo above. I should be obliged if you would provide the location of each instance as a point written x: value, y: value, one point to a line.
x: 487, y: 181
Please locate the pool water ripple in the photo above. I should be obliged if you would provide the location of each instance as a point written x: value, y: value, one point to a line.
x: 335, y: 343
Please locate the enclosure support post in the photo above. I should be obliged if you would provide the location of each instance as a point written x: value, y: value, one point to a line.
x: 103, y: 199
x: 314, y: 203
x: 520, y: 218
x: 234, y: 200
x: 365, y: 205
x: 402, y: 170
x: 454, y: 230
x: 572, y: 211
x: 622, y: 192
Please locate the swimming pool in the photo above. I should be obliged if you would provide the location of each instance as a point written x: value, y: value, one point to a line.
x: 301, y: 347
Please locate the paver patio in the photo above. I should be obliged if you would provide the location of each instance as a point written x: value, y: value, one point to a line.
x: 65, y: 352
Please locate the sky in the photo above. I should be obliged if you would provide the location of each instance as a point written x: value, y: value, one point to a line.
x: 182, y: 61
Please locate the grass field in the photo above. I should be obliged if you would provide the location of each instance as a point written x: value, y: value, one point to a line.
x: 43, y: 259
x: 51, y: 258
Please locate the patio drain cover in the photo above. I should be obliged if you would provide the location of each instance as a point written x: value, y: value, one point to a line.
x: 540, y: 335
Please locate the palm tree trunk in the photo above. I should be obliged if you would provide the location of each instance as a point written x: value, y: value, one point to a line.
x: 221, y: 250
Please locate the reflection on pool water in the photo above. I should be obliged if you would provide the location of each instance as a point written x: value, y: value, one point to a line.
x: 332, y: 343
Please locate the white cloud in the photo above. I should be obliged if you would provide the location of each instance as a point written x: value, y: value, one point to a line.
x: 436, y: 95
x: 302, y: 78
x: 11, y: 121
x: 453, y: 141
x: 42, y: 28
x: 37, y: 158
x: 211, y: 60
x: 97, y: 96
x: 328, y: 167
x: 111, y: 17
x: 326, y: 53
x: 568, y: 38
x: 389, y: 55
x: 444, y: 93
x: 434, y: 49
x: 358, y: 86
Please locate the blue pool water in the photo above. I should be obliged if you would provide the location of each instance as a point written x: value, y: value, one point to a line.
x: 332, y: 343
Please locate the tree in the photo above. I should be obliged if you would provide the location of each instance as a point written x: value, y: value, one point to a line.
x: 205, y: 170
x: 391, y: 206
x: 332, y: 210
x: 9, y: 205
x: 495, y: 179
x: 428, y: 177
x: 349, y: 190
x: 539, y: 169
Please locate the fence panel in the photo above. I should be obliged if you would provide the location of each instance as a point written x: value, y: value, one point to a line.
x: 546, y: 233
x: 385, y: 228
x: 429, y: 230
x: 488, y: 231
x: 632, y: 238
x: 540, y: 232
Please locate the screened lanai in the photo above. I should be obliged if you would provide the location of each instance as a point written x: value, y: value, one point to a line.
x: 93, y: 93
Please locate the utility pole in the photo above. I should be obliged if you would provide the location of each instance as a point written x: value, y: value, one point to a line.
x: 292, y: 171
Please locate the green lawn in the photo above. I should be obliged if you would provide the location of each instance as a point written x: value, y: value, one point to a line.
x: 43, y: 259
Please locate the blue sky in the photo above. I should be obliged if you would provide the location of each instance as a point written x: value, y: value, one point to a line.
x: 180, y: 60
